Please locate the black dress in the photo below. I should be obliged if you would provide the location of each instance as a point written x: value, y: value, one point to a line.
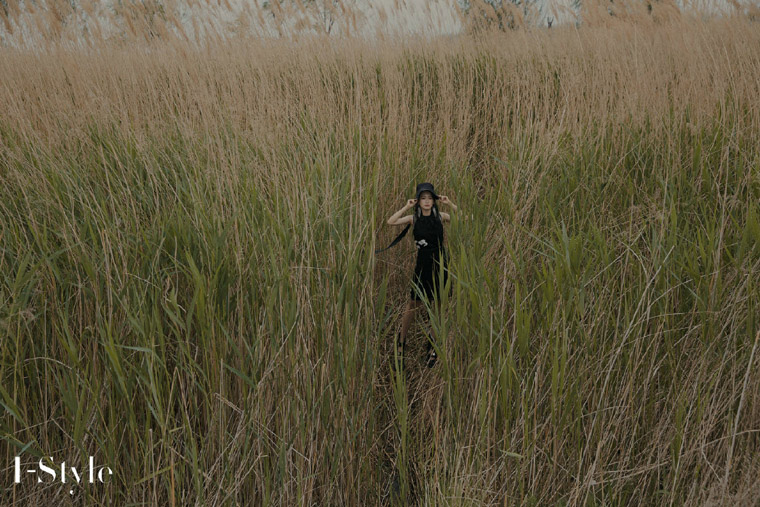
x: 431, y: 256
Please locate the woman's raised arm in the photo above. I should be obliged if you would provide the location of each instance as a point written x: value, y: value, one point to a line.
x: 446, y: 200
x: 394, y: 219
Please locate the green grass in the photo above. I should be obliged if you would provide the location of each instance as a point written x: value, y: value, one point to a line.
x: 207, y: 316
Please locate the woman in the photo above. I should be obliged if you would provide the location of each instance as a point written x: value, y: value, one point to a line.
x: 431, y: 256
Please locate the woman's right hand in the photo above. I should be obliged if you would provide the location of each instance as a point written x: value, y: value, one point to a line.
x: 410, y: 203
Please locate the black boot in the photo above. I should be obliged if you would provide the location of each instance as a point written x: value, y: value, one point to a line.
x: 400, y: 348
x: 432, y: 357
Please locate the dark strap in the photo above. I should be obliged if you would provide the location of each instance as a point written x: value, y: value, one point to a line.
x: 395, y: 241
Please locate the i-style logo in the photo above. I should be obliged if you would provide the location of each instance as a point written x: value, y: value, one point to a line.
x: 75, y: 476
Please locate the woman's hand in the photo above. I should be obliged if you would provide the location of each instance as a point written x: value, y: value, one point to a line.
x: 445, y: 200
x: 410, y: 203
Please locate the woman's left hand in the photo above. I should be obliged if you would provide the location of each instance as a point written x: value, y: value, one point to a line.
x: 444, y: 199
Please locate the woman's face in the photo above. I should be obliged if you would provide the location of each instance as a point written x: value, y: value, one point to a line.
x: 426, y: 200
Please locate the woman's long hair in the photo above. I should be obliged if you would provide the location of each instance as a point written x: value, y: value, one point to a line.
x: 434, y: 211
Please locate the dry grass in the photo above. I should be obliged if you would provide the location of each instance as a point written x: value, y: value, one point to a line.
x: 189, y: 290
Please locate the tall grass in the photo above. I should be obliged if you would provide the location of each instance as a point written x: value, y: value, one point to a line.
x: 189, y: 293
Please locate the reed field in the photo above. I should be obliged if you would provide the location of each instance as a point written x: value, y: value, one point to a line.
x: 189, y: 291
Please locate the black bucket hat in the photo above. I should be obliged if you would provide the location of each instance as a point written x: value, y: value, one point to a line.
x: 423, y: 187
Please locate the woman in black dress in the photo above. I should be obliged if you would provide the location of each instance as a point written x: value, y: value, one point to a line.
x: 431, y: 256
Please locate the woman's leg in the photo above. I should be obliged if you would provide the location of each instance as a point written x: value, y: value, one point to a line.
x: 430, y: 354
x: 406, y: 320
x: 400, y: 341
